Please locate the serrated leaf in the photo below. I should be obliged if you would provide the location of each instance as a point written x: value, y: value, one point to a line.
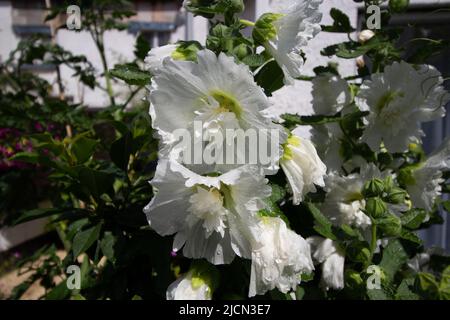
x: 405, y: 292
x: 131, y: 74
x: 322, y: 224
x: 411, y: 236
x: 413, y: 218
x: 394, y: 256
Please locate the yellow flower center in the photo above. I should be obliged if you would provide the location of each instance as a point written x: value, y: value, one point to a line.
x: 292, y: 141
x: 387, y: 99
x: 227, y: 103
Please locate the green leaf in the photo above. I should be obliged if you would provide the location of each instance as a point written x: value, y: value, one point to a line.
x: 293, y: 120
x: 121, y: 150
x: 394, y: 256
x: 131, y: 74
x: 385, y: 293
x: 83, y: 240
x: 411, y: 236
x: 322, y: 224
x: 278, y: 193
x: 270, y: 77
x: 413, y: 218
x: 341, y: 22
x: 405, y: 290
x: 446, y: 205
x: 107, y: 246
x: 95, y: 182
x: 60, y: 292
x: 272, y: 210
x: 359, y: 251
x: 35, y: 214
x: 83, y: 148
x: 29, y: 157
x: 351, y: 49
x: 141, y: 48
x: 254, y: 60
x: 427, y: 285
x: 444, y: 286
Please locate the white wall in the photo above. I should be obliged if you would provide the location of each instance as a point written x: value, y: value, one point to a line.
x: 120, y: 46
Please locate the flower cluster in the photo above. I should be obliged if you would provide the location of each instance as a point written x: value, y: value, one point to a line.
x: 359, y: 180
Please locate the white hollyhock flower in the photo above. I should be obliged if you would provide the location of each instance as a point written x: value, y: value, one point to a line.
x: 425, y: 183
x: 154, y: 60
x: 302, y: 166
x: 399, y: 100
x: 211, y: 216
x: 344, y: 201
x: 279, y: 257
x: 327, y: 139
x: 326, y: 252
x: 297, y: 22
x: 214, y: 91
x: 189, y: 286
x: 330, y: 94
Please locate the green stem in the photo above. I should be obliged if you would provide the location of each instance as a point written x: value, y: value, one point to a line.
x: 373, y: 241
x: 247, y: 23
x: 98, y: 39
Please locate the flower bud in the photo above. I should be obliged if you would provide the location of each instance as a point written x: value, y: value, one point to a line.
x: 396, y: 195
x: 373, y: 188
x: 390, y: 225
x: 365, y: 35
x: 375, y: 207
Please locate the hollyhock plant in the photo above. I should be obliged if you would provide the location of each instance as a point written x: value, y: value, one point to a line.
x: 335, y: 213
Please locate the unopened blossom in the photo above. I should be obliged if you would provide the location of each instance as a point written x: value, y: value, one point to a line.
x: 424, y: 185
x: 398, y: 101
x: 292, y: 24
x: 211, y: 216
x: 302, y: 167
x: 332, y: 258
x: 365, y: 35
x: 279, y: 257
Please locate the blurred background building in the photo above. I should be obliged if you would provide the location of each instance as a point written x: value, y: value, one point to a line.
x: 162, y: 22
